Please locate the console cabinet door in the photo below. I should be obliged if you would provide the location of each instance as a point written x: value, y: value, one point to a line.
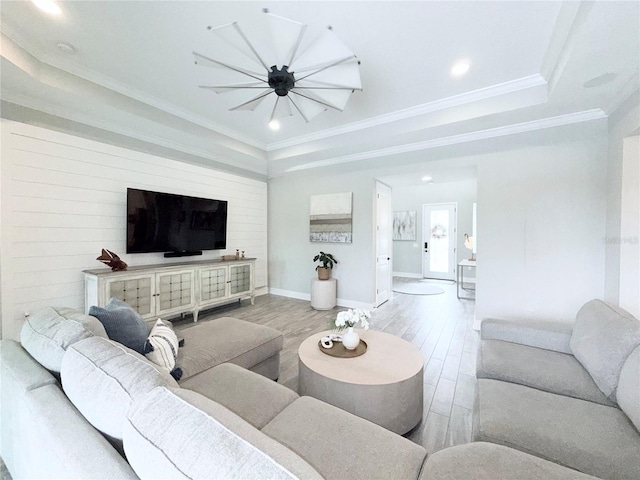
x: 175, y: 292
x: 213, y: 284
x: 240, y: 280
x: 137, y: 291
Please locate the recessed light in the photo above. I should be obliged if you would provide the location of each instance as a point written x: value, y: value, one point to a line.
x: 48, y: 6
x: 600, y: 80
x: 274, y: 125
x: 460, y: 68
x: 427, y: 178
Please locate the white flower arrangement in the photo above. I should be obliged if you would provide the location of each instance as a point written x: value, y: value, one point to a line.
x: 351, y: 318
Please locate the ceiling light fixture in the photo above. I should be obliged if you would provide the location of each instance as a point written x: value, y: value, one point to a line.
x: 460, y: 68
x: 48, y: 6
x: 274, y: 125
x: 427, y: 178
x: 277, y: 64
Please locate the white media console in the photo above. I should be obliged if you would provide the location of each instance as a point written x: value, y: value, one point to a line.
x: 173, y: 288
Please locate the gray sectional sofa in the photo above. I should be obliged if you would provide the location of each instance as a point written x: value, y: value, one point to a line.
x: 566, y: 393
x: 75, y: 404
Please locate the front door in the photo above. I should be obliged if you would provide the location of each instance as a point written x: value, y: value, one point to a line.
x: 439, y: 241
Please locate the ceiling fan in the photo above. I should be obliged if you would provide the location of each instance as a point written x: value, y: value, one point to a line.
x: 271, y: 62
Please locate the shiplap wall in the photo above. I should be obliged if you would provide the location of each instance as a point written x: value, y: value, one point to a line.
x: 64, y: 199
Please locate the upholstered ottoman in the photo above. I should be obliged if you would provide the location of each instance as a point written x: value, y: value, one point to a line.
x: 227, y: 339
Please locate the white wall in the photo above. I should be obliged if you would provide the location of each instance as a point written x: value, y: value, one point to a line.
x: 64, y: 199
x: 407, y: 255
x: 630, y: 227
x: 622, y: 123
x: 291, y: 265
x: 541, y: 223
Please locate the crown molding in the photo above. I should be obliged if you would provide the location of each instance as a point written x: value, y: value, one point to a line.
x: 424, y: 109
x: 93, y: 121
x: 47, y: 61
x: 550, y: 122
x: 570, y: 20
x: 113, y: 85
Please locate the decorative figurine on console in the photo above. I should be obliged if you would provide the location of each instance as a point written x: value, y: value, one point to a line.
x: 112, y: 260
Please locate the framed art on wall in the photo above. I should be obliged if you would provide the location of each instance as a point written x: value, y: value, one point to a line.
x: 404, y: 225
x: 330, y: 218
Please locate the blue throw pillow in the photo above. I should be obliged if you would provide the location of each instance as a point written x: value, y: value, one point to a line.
x: 123, y: 324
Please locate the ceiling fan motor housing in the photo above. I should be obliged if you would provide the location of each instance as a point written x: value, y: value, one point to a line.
x: 281, y: 80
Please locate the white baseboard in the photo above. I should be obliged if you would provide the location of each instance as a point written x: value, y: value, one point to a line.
x: 290, y: 294
x: 341, y: 302
x: 353, y: 304
x: 407, y: 274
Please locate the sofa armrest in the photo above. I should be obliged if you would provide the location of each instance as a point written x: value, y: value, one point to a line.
x: 550, y: 335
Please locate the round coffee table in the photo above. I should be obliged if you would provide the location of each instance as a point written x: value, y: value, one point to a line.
x: 384, y: 385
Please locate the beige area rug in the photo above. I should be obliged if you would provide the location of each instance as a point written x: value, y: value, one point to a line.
x: 416, y: 287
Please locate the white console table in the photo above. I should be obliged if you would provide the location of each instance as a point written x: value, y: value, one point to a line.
x: 460, y: 276
x: 323, y: 293
x: 173, y: 288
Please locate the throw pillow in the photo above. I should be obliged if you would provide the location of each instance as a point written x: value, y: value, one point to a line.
x: 123, y: 324
x: 162, y: 348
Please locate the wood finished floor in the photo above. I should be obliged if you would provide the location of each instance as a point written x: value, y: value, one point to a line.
x: 440, y: 326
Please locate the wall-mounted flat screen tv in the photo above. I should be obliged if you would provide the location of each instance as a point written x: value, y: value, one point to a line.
x: 181, y: 225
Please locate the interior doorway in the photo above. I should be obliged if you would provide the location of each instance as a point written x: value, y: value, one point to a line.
x: 439, y: 241
x: 384, y: 246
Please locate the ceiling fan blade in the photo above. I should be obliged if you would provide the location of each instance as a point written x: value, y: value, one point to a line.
x: 313, y: 84
x: 234, y: 86
x: 229, y: 46
x: 333, y: 98
x: 285, y: 38
x: 253, y: 103
x: 251, y: 47
x: 298, y: 109
x: 315, y: 98
x: 327, y: 49
x: 345, y: 74
x: 205, y: 61
x: 281, y: 109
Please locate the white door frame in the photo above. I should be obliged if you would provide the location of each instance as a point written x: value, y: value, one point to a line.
x: 455, y: 237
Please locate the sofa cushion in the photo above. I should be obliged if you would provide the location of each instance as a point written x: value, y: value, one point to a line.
x: 67, y: 446
x: 488, y: 461
x: 589, y: 437
x: 162, y: 348
x: 226, y: 339
x: 177, y: 433
x: 243, y: 392
x: 19, y: 374
x: 48, y: 333
x: 629, y: 388
x: 340, y: 445
x: 546, y: 370
x: 102, y: 378
x: 123, y: 324
x: 603, y: 337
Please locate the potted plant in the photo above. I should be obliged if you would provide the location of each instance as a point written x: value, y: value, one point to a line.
x: 324, y: 270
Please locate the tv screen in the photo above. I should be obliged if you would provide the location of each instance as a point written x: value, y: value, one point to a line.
x: 164, y: 222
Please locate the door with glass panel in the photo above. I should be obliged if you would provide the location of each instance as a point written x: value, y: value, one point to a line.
x: 439, y: 241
